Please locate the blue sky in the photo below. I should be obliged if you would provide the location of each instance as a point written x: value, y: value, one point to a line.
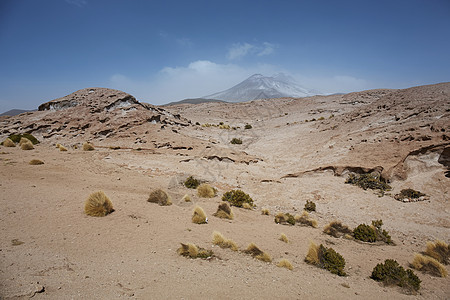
x: 162, y: 51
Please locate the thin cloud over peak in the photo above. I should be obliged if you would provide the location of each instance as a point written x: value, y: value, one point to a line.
x: 79, y: 3
x: 240, y: 50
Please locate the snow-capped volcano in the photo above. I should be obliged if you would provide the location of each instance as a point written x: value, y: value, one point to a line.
x: 262, y: 87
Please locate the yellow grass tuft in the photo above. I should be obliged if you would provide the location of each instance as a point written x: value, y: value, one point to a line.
x: 161, y: 197
x: 312, y: 257
x: 24, y: 140
x: 62, y: 148
x: 428, y: 265
x: 337, y: 229
x: 254, y: 251
x: 88, y: 147
x: 224, y: 211
x: 246, y: 205
x: 8, y: 143
x: 186, y: 198
x: 439, y: 250
x: 98, y: 205
x: 27, y: 146
x: 188, y: 249
x: 35, y: 162
x: 284, y: 263
x: 58, y: 145
x: 284, y: 238
x: 305, y: 219
x: 265, y: 212
x: 204, y: 190
x: 199, y: 216
x: 222, y: 242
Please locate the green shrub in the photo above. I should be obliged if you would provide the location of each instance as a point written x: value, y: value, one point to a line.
x: 382, y: 235
x: 16, y: 138
x: 409, y: 194
x: 237, y: 198
x: 191, y: 183
x: 391, y: 273
x: 236, y: 141
x: 368, y: 181
x: 331, y: 260
x: 248, y: 126
x: 365, y: 233
x: 310, y: 206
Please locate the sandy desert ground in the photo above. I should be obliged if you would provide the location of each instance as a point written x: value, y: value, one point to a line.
x: 51, y: 250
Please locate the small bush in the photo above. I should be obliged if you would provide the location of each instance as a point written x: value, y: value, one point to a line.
x: 284, y: 238
x: 265, y: 212
x: 161, y: 197
x: 98, y: 205
x: 191, y: 183
x: 224, y: 211
x: 237, y: 198
x: 428, y: 265
x: 204, y: 190
x: 16, y: 138
x: 325, y: 258
x: 369, y: 181
x: 62, y: 148
x: 365, y: 233
x: 391, y: 273
x: 199, y: 216
x: 306, y: 220
x: 193, y: 251
x: 337, y: 229
x: 284, y: 218
x: 248, y: 126
x: 186, y: 198
x: 236, y: 141
x: 222, y: 242
x: 88, y: 147
x: 382, y: 235
x: 284, y: 263
x: 27, y: 146
x: 9, y: 143
x: 24, y: 140
x: 310, y: 206
x: 439, y: 250
x: 254, y: 251
x: 36, y: 162
x: 409, y: 194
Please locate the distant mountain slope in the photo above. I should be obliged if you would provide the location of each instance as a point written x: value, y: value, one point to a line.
x: 262, y: 87
x: 14, y: 112
x: 193, y: 101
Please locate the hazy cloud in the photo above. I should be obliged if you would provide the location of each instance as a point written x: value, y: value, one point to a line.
x: 79, y: 3
x: 266, y: 49
x: 239, y: 50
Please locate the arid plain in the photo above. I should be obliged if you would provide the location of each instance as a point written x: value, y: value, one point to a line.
x: 298, y: 149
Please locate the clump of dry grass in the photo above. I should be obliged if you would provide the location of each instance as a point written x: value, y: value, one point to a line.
x: 428, y: 265
x: 204, y: 190
x: 284, y: 263
x: 88, y: 147
x: 35, y: 162
x: 222, y: 242
x: 24, y: 140
x: 62, y: 148
x: 27, y: 145
x: 254, y: 251
x: 284, y: 238
x: 439, y: 250
x: 199, y: 216
x: 265, y: 212
x: 98, y: 205
x: 8, y: 143
x: 161, y: 197
x: 246, y: 205
x: 312, y: 257
x: 186, y: 198
x: 224, y: 211
x: 193, y: 251
x: 337, y: 229
x: 305, y: 219
x: 283, y: 218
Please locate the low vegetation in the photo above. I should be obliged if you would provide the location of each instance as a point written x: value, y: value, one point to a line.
x: 224, y: 211
x: 236, y: 141
x: 8, y: 143
x: 204, y: 190
x: 193, y: 251
x: 409, y: 194
x: 161, y: 197
x: 248, y: 126
x: 62, y: 148
x: 219, y: 240
x: 17, y: 137
x: 369, y: 181
x: 284, y: 263
x: 98, y: 205
x: 27, y: 145
x: 306, y: 219
x: 265, y: 212
x: 310, y: 206
x: 391, y: 273
x: 428, y: 265
x: 284, y: 238
x: 326, y: 258
x: 36, y: 162
x: 237, y: 198
x: 199, y: 216
x: 191, y: 183
x: 186, y: 198
x: 372, y: 233
x: 24, y: 140
x: 88, y: 147
x: 438, y: 250
x: 257, y: 253
x: 284, y: 218
x: 337, y: 229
